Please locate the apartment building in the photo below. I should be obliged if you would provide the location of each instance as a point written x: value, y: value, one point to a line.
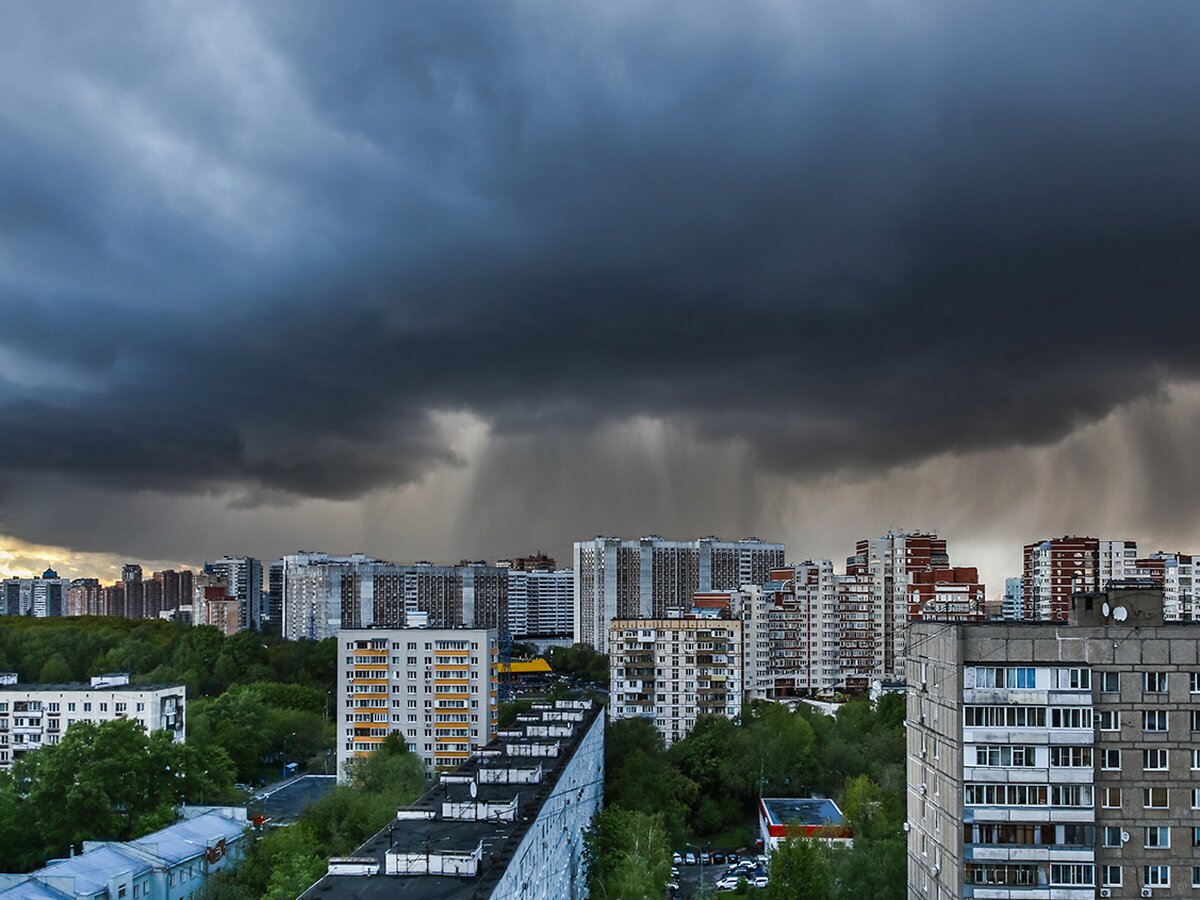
x: 436, y: 687
x: 243, y: 577
x: 652, y: 577
x: 36, y: 715
x: 1174, y: 573
x: 509, y: 824
x: 672, y: 670
x: 40, y: 597
x: 1056, y: 568
x: 322, y: 594
x: 1056, y: 759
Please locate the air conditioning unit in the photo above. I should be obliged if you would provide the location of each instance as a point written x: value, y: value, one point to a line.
x: 1146, y: 892
x: 1105, y: 892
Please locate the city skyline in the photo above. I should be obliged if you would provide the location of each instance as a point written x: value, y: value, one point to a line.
x: 479, y: 280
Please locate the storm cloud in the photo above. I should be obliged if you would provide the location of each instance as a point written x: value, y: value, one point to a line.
x: 272, y: 253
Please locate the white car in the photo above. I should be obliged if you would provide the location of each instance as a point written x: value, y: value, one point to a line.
x: 677, y: 859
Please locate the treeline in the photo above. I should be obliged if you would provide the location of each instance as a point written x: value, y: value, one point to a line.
x: 67, y: 649
x: 286, y: 861
x: 107, y: 782
x: 581, y: 661
x: 704, y: 788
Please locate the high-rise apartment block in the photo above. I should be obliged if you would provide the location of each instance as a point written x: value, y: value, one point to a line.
x: 323, y: 594
x: 653, y: 578
x: 1059, y: 567
x: 37, y: 715
x: 39, y: 597
x: 244, y: 577
x: 436, y: 687
x: 672, y: 670
x: 1057, y: 760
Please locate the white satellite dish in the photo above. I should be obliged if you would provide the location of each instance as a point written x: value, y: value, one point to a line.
x: 1106, y: 609
x: 474, y: 789
x: 1120, y: 613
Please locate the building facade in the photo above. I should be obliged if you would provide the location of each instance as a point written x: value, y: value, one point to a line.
x: 37, y: 715
x: 244, y: 578
x: 1056, y: 568
x: 322, y: 595
x: 1055, y: 760
x: 652, y: 577
x: 672, y: 670
x: 436, y: 687
x: 38, y: 597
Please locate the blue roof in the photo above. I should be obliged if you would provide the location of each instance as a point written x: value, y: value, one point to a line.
x: 94, y: 869
x: 187, y: 839
x: 802, y: 811
x: 33, y: 890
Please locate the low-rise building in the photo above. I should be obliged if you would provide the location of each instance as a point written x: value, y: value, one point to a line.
x: 436, y: 687
x: 507, y: 825
x: 172, y: 864
x: 35, y: 715
x: 809, y: 817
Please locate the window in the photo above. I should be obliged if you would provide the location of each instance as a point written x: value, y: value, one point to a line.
x: 1195, y: 798
x: 1196, y: 836
x: 1071, y: 795
x: 1110, y: 720
x: 1071, y: 717
x: 1110, y: 759
x: 1111, y: 875
x: 1073, y: 679
x: 1195, y: 759
x: 1194, y: 682
x: 1154, y: 720
x: 1070, y: 757
x: 1110, y: 797
x: 1155, y: 683
x: 1110, y: 682
x: 1156, y: 876
x: 1004, y: 717
x: 1003, y: 755
x: 1196, y: 876
x: 1155, y: 798
x: 1112, y: 836
x: 1156, y: 837
x: 1155, y: 760
x: 1195, y: 720
x: 1012, y: 678
x: 1071, y: 873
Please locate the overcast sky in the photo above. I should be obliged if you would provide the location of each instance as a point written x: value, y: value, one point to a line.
x: 470, y: 280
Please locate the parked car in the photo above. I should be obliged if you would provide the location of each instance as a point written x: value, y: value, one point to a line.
x: 760, y: 881
x: 689, y: 858
x: 718, y: 858
x: 731, y: 857
x: 705, y: 857
x: 677, y: 858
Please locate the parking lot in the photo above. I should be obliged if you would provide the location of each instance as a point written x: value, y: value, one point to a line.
x: 693, y: 877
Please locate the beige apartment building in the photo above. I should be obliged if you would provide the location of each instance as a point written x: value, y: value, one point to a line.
x: 436, y: 687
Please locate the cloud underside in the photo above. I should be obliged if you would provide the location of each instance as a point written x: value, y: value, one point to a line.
x: 277, y: 255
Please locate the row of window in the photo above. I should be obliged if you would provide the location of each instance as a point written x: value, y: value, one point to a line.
x: 1154, y: 837
x: 1157, y: 759
x: 1025, y: 678
x: 1065, y: 874
x: 1153, y: 720
x: 1064, y: 795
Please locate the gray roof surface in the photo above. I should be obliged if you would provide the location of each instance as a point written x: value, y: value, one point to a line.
x: 500, y: 838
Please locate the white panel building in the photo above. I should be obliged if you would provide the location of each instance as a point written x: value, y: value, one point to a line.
x: 37, y: 715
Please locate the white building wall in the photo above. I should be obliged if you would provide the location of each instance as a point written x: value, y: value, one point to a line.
x: 548, y: 864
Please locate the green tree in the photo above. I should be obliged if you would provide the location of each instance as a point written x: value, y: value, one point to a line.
x: 56, y: 671
x: 628, y: 855
x: 801, y: 869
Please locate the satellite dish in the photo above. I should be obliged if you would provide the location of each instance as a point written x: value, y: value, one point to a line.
x: 474, y: 789
x: 1120, y: 613
x: 1106, y: 609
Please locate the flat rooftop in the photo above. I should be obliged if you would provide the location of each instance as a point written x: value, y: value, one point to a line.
x: 801, y: 811
x: 73, y: 686
x: 499, y: 839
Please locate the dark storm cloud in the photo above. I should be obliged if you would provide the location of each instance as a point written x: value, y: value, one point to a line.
x: 261, y: 248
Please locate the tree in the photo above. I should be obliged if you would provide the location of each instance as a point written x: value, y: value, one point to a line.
x: 56, y: 670
x: 800, y: 869
x: 628, y: 856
